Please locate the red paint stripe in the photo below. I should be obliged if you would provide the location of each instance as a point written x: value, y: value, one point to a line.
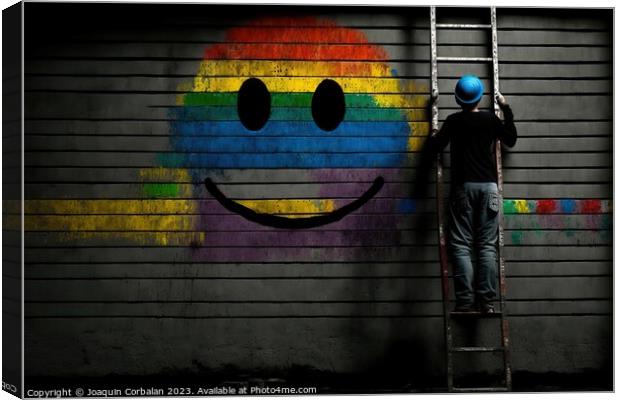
x: 237, y: 51
x: 590, y: 206
x: 545, y: 206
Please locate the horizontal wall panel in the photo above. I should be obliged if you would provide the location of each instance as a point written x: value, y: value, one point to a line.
x: 112, y: 239
x: 251, y: 142
x: 142, y: 159
x: 415, y: 34
x: 299, y: 271
x: 565, y: 19
x: 421, y: 69
x: 420, y: 205
x: 528, y: 71
x: 137, y: 175
x: 310, y: 290
x: 119, y: 106
x: 157, y: 84
x: 233, y: 222
x: 306, y: 190
x: 321, y: 51
x: 313, y: 254
x: 309, y: 310
x: 162, y: 128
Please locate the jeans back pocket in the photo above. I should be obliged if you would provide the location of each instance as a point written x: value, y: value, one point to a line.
x: 494, y: 201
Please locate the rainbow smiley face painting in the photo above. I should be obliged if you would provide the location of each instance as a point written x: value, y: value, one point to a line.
x: 295, y: 123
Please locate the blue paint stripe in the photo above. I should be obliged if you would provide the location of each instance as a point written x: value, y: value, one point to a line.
x: 227, y: 113
x: 568, y: 206
x: 282, y: 128
x: 281, y: 160
x: 288, y: 144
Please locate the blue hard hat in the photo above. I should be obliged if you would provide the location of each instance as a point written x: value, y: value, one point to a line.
x: 468, y: 89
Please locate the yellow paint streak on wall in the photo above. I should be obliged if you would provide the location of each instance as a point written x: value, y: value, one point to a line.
x: 301, y: 85
x: 38, y: 223
x: 162, y: 174
x: 87, y: 207
x: 400, y: 100
x: 78, y: 219
x: 168, y: 207
x: 290, y: 207
x: 182, y: 87
x: 521, y: 206
x: 415, y: 143
x: 284, y: 68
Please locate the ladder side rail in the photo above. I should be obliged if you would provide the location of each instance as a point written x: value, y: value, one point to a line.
x: 443, y: 254
x: 500, y: 185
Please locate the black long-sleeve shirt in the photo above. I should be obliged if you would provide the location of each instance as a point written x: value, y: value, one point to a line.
x: 472, y: 143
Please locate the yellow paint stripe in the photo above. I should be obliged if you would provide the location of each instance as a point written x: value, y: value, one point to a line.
x: 170, y: 206
x: 307, y: 85
x: 290, y: 206
x: 264, y: 68
x: 38, y: 223
x: 415, y: 143
x: 176, y: 175
x: 400, y: 100
x: 521, y: 206
x: 86, y: 207
x: 162, y: 174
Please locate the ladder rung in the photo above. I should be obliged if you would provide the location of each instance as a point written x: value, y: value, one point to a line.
x: 466, y: 59
x: 464, y: 26
x: 476, y: 349
x: 480, y: 389
x: 475, y: 314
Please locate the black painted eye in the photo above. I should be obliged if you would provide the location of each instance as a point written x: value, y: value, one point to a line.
x: 253, y: 104
x: 328, y: 105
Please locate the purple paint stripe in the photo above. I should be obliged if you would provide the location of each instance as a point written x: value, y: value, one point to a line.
x: 306, y: 238
x: 233, y: 222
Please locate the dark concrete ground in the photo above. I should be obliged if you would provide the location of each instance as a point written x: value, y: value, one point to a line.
x: 331, y: 383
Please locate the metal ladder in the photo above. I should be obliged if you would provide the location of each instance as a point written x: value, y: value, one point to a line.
x: 443, y: 254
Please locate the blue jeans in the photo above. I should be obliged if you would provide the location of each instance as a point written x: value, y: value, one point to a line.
x: 473, y: 233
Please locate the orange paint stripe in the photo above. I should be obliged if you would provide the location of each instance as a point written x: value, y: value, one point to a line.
x: 265, y: 51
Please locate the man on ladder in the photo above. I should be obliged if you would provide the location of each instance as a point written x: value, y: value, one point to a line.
x: 475, y: 209
x: 474, y: 198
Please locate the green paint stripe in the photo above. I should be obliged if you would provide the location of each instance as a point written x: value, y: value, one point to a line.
x: 277, y: 99
x: 226, y: 113
x: 156, y: 190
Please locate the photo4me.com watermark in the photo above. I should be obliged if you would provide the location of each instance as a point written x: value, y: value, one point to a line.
x: 169, y: 391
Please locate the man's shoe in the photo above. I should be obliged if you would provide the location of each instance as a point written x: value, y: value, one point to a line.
x: 487, y: 308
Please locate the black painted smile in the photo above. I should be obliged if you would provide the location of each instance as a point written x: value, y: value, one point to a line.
x: 293, y: 223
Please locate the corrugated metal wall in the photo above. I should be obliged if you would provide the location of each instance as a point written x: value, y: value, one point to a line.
x: 12, y: 196
x: 132, y: 267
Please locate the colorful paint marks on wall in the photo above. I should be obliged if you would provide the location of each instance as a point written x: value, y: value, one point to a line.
x: 561, y: 206
x: 290, y: 78
x: 382, y: 127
